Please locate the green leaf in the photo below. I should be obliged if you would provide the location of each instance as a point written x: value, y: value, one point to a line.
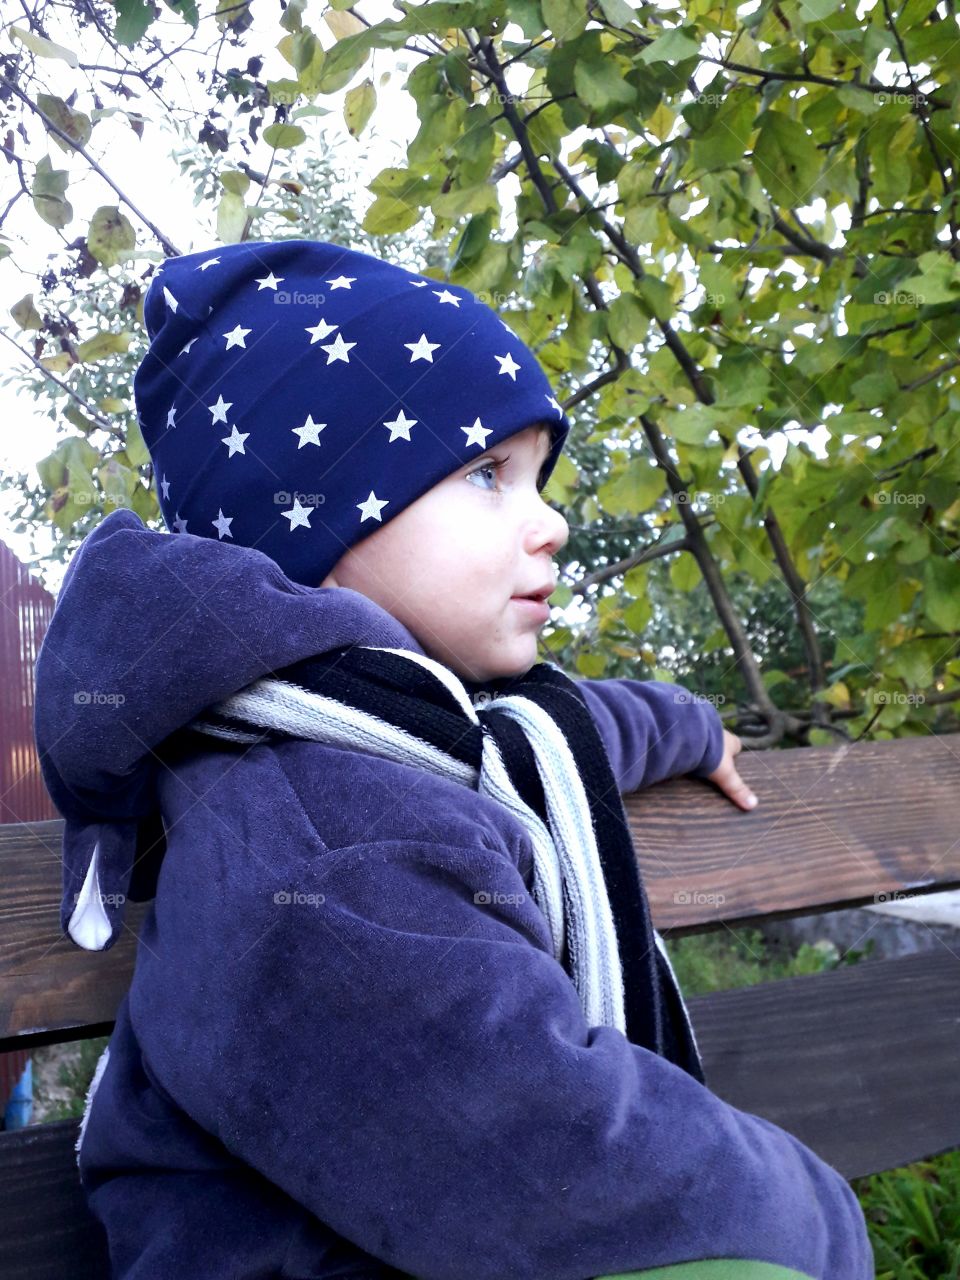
x: 600, y: 84
x: 786, y: 159
x: 133, y: 19
x: 567, y: 19
x: 49, y: 199
x: 235, y: 181
x: 283, y: 136
x: 693, y: 424
x: 26, y: 314
x: 657, y: 297
x: 633, y: 489
x: 456, y: 203
x: 111, y: 237
x: 673, y: 46
x: 358, y: 106
x: 76, y: 124
x: 618, y: 13
x: 684, y: 571
x: 941, y: 592
x: 231, y: 218
x: 389, y: 215
x: 817, y: 10
x: 103, y: 345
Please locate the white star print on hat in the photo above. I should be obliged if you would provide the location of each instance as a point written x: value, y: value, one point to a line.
x: 421, y: 349
x: 371, y: 507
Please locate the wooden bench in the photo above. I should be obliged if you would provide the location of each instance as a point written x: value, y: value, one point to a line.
x: 860, y: 1062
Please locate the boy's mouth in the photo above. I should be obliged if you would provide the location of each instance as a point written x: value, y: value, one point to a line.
x: 541, y: 594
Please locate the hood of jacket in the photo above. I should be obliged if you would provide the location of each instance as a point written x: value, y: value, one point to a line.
x: 149, y: 629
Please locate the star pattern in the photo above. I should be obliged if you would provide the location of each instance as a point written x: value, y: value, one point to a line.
x: 477, y: 434
x: 400, y: 427
x: 422, y: 349
x: 371, y: 507
x: 471, y: 384
x: 235, y: 441
x: 338, y: 350
x: 222, y: 524
x: 235, y: 338
x: 321, y: 330
x: 298, y: 515
x: 508, y: 365
x: 309, y: 432
x: 219, y: 410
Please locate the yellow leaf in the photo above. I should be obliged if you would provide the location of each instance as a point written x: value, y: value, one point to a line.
x: 343, y: 24
x: 44, y: 48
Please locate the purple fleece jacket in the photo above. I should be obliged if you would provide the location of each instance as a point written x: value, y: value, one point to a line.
x: 332, y: 1060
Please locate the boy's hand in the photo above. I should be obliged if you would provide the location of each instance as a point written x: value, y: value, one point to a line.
x: 726, y: 777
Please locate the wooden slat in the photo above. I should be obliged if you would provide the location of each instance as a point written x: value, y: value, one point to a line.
x: 46, y: 1230
x: 834, y: 827
x: 859, y: 1063
x: 50, y: 989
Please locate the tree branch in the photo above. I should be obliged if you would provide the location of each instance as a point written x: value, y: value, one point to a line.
x: 167, y: 245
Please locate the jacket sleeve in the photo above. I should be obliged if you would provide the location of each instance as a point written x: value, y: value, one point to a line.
x: 393, y: 1045
x: 653, y: 730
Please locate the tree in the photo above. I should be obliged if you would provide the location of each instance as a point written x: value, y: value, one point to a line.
x: 727, y: 228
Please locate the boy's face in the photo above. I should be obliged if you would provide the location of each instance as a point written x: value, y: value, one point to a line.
x: 449, y: 565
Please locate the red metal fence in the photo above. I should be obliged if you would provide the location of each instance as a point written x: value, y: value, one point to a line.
x: 25, y: 609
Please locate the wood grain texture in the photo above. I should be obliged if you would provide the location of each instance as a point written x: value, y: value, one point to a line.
x: 835, y: 826
x: 859, y: 1063
x: 46, y: 1230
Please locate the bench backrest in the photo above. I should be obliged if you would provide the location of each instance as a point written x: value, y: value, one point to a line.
x: 824, y: 1056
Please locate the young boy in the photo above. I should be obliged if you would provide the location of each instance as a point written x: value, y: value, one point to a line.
x: 398, y: 1007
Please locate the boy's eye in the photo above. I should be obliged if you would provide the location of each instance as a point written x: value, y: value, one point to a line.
x: 492, y: 465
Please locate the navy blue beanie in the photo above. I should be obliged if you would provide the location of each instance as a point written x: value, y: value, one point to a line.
x: 297, y: 395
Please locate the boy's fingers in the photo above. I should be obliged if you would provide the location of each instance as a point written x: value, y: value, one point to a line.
x: 738, y: 791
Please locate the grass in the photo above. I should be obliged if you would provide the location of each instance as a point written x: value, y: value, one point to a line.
x: 912, y: 1213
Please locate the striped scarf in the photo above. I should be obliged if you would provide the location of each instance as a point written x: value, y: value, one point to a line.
x: 533, y: 746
